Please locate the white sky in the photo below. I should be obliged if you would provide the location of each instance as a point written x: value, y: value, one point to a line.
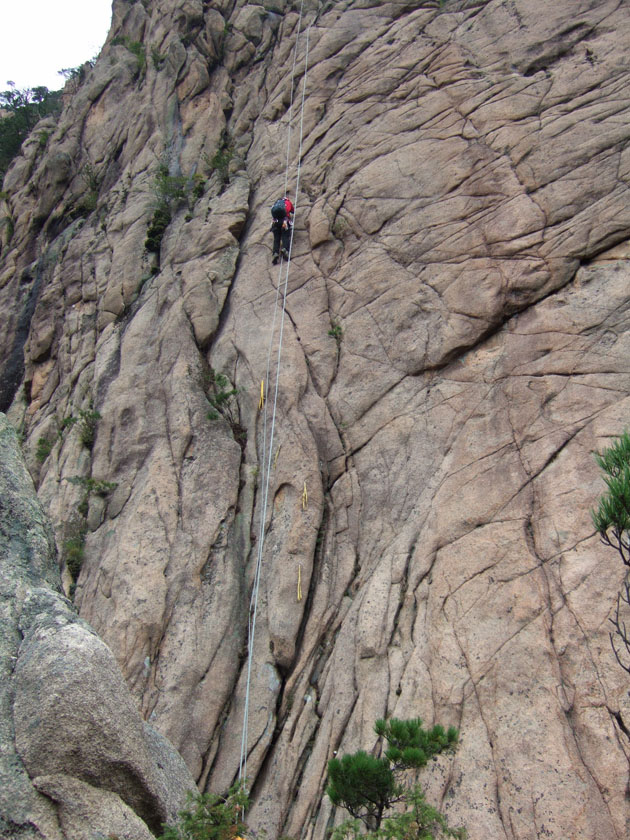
x: 40, y: 37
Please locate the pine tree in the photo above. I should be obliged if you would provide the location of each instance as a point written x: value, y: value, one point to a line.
x: 612, y: 520
x: 364, y: 785
x: 411, y: 746
x: 368, y: 787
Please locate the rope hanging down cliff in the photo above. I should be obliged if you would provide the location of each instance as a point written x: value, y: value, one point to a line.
x: 268, y: 449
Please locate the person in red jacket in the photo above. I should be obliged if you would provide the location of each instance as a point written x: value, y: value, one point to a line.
x: 282, y: 212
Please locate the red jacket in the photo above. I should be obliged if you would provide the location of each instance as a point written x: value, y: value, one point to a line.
x: 288, y: 206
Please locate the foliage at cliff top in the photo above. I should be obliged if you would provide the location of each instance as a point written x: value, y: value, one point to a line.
x: 22, y: 111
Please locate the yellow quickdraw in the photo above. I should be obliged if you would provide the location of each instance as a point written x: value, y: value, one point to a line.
x: 299, y: 588
x: 261, y: 401
x: 304, y: 498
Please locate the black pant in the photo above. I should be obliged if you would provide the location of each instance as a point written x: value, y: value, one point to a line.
x: 280, y: 233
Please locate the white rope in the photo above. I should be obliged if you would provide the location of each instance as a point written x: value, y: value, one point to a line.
x: 268, y: 450
x: 295, y: 51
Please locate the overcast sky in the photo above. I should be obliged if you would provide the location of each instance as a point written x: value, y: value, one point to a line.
x: 40, y: 37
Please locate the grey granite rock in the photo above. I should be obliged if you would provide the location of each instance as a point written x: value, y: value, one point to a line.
x: 67, y: 714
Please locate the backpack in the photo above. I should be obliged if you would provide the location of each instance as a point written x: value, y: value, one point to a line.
x: 278, y: 210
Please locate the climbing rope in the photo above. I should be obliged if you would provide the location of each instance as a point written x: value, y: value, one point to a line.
x: 265, y: 390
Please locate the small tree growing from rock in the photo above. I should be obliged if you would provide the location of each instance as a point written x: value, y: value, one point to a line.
x: 612, y: 521
x: 368, y: 787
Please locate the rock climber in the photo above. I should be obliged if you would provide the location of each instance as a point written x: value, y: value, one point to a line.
x: 282, y: 212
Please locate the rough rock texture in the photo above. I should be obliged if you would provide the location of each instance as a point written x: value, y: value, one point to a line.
x: 75, y: 756
x: 462, y: 230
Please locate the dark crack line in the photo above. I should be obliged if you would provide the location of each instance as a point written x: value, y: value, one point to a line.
x: 490, y: 740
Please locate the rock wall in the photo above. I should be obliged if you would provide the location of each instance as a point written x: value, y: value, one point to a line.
x: 75, y: 756
x: 455, y: 347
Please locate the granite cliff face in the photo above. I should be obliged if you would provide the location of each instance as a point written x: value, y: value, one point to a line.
x: 455, y: 347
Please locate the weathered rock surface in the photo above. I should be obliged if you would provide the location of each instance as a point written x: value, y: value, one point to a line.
x: 462, y: 230
x: 76, y: 757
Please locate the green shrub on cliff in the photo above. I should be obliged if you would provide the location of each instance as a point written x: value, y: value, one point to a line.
x: 137, y: 49
x: 170, y: 192
x: 44, y: 448
x: 88, y: 420
x: 208, y: 816
x: 73, y: 551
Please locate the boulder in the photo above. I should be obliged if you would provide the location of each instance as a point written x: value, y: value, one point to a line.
x: 73, y: 741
